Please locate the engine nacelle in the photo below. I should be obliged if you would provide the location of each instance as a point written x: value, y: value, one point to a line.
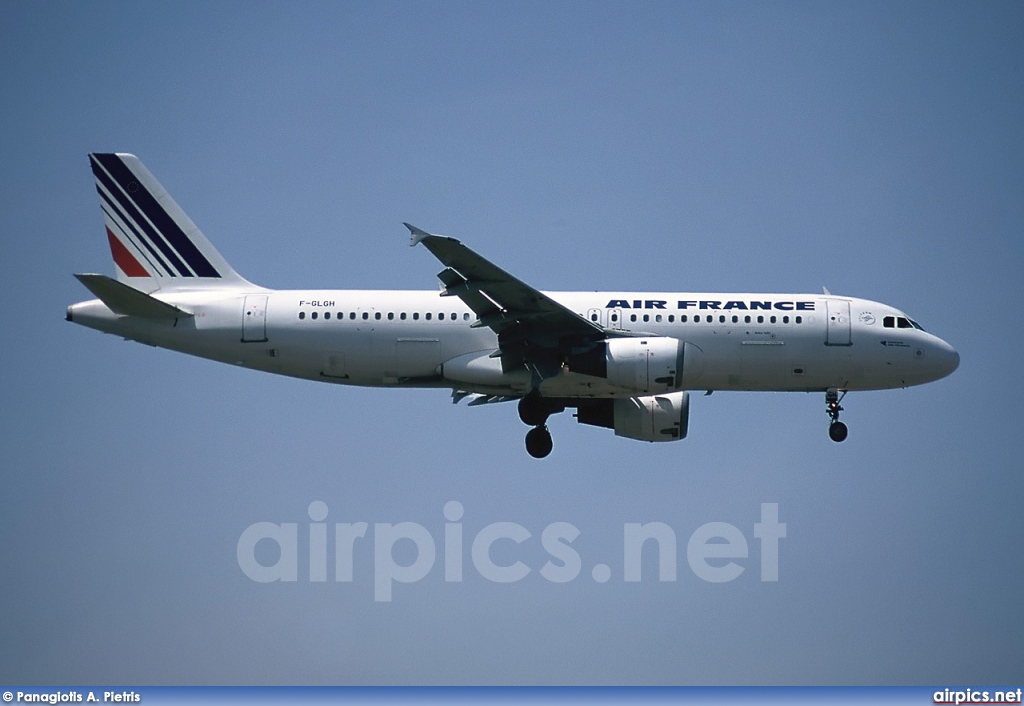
x: 664, y: 417
x: 644, y: 365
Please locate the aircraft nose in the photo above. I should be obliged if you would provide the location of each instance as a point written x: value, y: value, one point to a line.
x: 946, y: 358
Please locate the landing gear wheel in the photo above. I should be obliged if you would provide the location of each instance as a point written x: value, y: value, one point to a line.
x: 837, y: 431
x: 538, y: 442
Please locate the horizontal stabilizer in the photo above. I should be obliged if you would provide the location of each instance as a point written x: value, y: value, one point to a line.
x: 124, y: 300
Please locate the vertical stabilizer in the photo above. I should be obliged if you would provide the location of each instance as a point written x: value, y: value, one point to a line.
x: 153, y: 243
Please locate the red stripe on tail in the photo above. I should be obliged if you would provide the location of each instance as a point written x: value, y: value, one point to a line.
x: 124, y: 259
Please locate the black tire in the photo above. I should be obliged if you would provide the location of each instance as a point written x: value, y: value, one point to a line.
x: 538, y: 442
x: 533, y: 411
x: 837, y: 431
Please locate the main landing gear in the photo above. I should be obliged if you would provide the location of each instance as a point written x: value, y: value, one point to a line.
x: 538, y: 441
x: 837, y: 431
x: 533, y: 410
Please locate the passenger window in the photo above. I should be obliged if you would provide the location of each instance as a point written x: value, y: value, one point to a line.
x: 671, y: 318
x: 647, y: 317
x: 377, y: 316
x: 465, y: 317
x: 710, y: 318
x: 658, y: 318
x: 760, y: 319
x: 440, y: 317
x: 302, y: 315
x: 313, y: 315
x: 735, y: 319
x: 327, y: 315
x: 632, y: 317
x: 416, y: 316
x: 391, y: 316
x: 799, y: 319
x: 352, y: 315
x: 683, y: 318
x: 365, y: 316
x: 427, y: 316
x: 785, y: 319
x: 746, y: 319
x: 593, y: 317
x: 615, y: 318
x: 771, y: 320
x: 721, y: 318
x: 402, y: 316
x: 339, y: 316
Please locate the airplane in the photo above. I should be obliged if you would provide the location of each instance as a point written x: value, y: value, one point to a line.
x: 626, y: 361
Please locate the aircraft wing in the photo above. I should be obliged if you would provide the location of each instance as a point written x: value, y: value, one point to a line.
x: 533, y: 329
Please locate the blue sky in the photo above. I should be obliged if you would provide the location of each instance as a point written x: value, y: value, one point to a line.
x: 871, y: 148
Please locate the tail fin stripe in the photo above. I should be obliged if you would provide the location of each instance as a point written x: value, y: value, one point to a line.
x: 138, y: 223
x: 138, y: 237
x: 165, y: 225
x: 123, y: 257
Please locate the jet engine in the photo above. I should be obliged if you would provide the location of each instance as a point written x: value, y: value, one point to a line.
x: 644, y: 365
x: 664, y: 417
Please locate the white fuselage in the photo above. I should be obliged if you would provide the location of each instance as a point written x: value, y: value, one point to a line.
x: 783, y: 342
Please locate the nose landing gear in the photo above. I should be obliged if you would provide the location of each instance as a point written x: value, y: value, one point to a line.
x: 837, y: 431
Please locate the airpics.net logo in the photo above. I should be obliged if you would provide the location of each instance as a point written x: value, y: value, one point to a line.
x: 713, y: 550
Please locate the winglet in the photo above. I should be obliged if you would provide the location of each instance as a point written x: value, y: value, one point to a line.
x: 416, y: 234
x: 824, y: 290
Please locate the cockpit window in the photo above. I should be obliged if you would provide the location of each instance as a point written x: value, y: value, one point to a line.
x: 900, y: 322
